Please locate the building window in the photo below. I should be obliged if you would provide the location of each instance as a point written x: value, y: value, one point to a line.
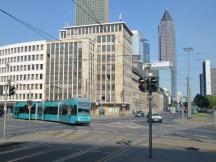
x: 103, y: 38
x: 113, y: 87
x: 98, y: 77
x: 41, y: 57
x: 103, y: 98
x: 113, y: 67
x: 113, y: 76
x: 103, y: 86
x: 99, y: 39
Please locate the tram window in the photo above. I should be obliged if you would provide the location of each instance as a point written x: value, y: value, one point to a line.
x: 69, y: 110
x: 51, y: 110
x: 83, y: 111
x: 64, y: 111
x: 23, y: 109
x: 33, y: 110
x: 27, y: 110
x: 74, y: 110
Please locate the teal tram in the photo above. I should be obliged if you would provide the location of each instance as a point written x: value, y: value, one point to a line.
x: 74, y: 111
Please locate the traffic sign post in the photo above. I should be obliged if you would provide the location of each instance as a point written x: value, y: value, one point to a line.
x: 43, y: 107
x: 29, y: 107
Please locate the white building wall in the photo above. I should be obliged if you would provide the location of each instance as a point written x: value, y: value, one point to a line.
x: 24, y: 64
x: 208, y: 77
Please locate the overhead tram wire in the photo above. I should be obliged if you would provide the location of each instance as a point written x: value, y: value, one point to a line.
x: 39, y: 31
x: 31, y: 27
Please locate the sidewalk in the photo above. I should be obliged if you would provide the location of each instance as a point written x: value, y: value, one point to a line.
x: 172, y: 150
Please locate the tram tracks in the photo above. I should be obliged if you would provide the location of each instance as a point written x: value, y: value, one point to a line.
x: 83, y: 148
x: 46, y: 142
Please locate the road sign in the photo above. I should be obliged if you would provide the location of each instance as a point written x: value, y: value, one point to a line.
x: 29, y: 107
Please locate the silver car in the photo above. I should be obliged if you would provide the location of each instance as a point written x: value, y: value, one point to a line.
x: 156, y: 118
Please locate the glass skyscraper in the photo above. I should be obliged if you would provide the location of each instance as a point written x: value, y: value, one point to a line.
x: 140, y: 46
x: 167, y: 46
x: 91, y: 12
x: 207, y: 77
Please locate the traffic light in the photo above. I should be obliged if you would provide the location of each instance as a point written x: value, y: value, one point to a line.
x: 142, y: 85
x: 1, y: 90
x: 11, y: 88
x: 154, y: 84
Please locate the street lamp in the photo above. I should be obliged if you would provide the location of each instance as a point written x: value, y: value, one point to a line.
x: 188, y: 50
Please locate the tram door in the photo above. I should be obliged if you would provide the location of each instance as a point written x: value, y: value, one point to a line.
x: 39, y: 113
x: 16, y: 113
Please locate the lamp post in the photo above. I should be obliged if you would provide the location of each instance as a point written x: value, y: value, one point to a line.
x: 188, y: 50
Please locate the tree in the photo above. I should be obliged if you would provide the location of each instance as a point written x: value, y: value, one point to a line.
x: 198, y: 100
x: 202, y: 101
x: 212, y: 102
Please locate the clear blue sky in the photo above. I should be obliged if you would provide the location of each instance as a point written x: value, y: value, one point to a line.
x: 194, y: 19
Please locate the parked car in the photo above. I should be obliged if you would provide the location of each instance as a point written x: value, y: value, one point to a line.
x: 156, y: 118
x: 139, y: 114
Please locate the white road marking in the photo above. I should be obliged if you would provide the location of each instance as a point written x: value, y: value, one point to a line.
x: 22, y: 148
x: 79, y: 153
x: 201, y: 136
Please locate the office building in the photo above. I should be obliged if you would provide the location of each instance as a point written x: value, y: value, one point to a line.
x: 24, y: 65
x: 201, y: 84
x: 213, y: 81
x: 112, y: 65
x: 92, y: 61
x: 207, y: 77
x: 91, y: 12
x: 146, y: 52
x: 140, y: 46
x: 70, y: 69
x: 167, y: 46
x: 163, y: 71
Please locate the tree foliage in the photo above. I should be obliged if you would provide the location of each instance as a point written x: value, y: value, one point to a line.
x: 212, y: 102
x: 205, y: 101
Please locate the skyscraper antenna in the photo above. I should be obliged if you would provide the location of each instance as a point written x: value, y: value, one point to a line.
x: 120, y: 17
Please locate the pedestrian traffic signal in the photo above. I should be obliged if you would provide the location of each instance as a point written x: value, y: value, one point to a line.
x: 142, y: 85
x: 11, y: 90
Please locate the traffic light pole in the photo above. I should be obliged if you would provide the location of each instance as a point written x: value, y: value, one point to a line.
x: 150, y: 118
x: 5, y: 112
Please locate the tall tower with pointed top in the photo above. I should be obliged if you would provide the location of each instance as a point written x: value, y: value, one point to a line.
x: 167, y: 46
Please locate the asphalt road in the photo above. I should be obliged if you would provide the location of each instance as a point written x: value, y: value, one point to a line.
x: 103, y: 140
